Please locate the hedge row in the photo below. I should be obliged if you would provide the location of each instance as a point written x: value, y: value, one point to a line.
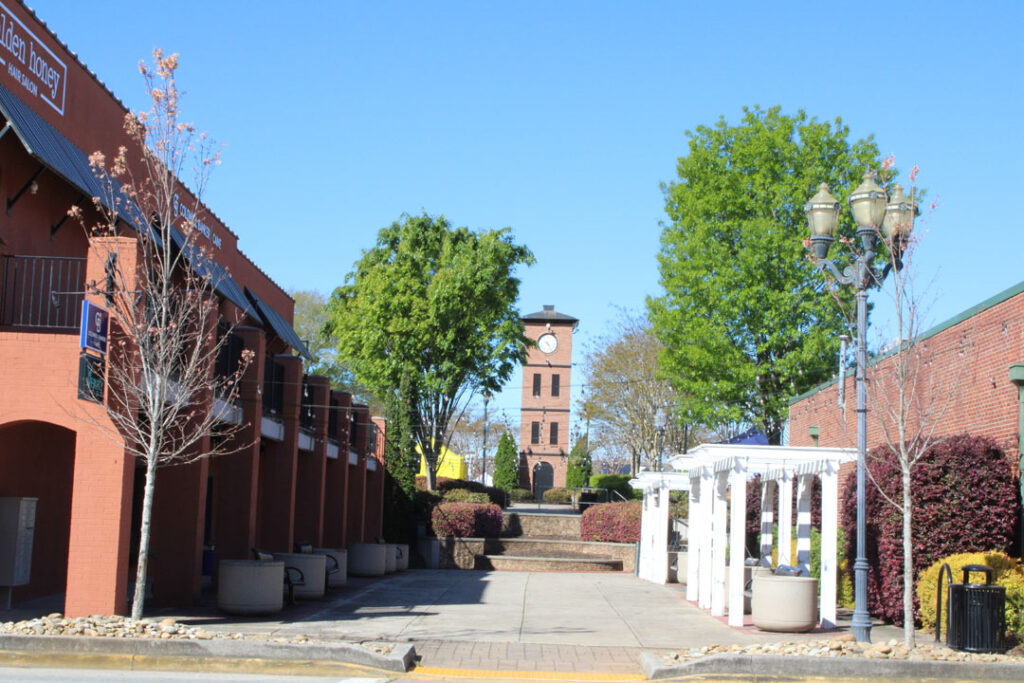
x: 444, y: 484
x: 612, y: 523
x: 466, y: 520
x: 964, y: 500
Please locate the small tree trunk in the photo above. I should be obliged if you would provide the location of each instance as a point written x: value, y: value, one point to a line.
x: 139, y: 598
x: 431, y: 468
x: 908, y: 564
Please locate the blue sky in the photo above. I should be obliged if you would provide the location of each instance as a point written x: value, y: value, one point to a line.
x: 560, y: 120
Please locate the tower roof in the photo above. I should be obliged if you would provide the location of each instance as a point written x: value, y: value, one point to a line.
x: 550, y: 315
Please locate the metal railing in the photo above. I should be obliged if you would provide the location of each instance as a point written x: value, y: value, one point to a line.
x: 41, y: 292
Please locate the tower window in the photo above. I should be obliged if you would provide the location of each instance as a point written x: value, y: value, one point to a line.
x: 536, y: 384
x: 554, y: 433
x: 535, y: 432
x: 556, y: 382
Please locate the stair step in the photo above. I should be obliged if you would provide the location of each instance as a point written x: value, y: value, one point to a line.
x: 520, y: 563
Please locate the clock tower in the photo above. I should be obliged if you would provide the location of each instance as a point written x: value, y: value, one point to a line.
x: 544, y: 417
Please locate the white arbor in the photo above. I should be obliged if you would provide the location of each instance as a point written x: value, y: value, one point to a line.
x: 716, y: 477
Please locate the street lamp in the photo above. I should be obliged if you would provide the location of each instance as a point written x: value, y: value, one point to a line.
x: 660, y: 422
x: 483, y: 454
x: 871, y: 212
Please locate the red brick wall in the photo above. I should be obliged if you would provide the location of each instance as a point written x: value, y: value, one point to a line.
x: 965, y: 372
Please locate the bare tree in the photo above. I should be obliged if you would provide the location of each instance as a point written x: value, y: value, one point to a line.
x: 165, y: 400
x: 624, y: 393
x: 909, y: 395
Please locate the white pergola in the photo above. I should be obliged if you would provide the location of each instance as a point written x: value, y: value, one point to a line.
x: 708, y: 472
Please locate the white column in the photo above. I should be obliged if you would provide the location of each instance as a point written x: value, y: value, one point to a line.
x: 785, y: 518
x: 659, y: 542
x: 737, y: 540
x: 767, y: 520
x: 694, y: 528
x: 707, y: 504
x: 829, y: 543
x: 719, y: 542
x: 646, y: 535
x: 803, y: 523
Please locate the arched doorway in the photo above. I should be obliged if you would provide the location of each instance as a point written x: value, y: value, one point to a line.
x: 37, y: 460
x: 543, y: 478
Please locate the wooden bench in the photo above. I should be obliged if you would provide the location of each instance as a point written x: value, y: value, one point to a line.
x: 331, y: 563
x: 293, y: 576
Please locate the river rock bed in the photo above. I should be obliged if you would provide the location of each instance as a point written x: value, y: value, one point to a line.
x: 98, y: 626
x: 847, y: 646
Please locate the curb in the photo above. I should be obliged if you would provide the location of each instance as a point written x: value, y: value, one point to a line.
x: 654, y: 667
x: 399, y: 659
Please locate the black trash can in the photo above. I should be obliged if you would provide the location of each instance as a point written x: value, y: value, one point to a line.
x: 975, y: 613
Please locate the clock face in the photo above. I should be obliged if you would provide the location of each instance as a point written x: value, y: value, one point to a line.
x: 547, y: 343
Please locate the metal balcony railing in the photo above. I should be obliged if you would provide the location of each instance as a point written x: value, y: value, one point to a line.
x: 41, y: 292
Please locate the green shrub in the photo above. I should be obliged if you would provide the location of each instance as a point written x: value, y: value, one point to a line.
x: 611, y: 523
x: 1007, y: 572
x: 557, y: 495
x: 465, y: 496
x: 579, y: 465
x: 520, y: 495
x: 614, y: 482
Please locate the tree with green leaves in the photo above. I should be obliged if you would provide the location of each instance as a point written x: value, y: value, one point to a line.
x: 578, y: 473
x: 742, y: 318
x: 506, y: 463
x: 428, y: 316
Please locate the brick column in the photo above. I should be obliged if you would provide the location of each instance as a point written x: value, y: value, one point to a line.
x: 357, y: 475
x: 336, y: 475
x: 278, y: 464
x: 236, y: 475
x: 310, y: 484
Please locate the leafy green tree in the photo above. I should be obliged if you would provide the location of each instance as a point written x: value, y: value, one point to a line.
x: 578, y: 473
x: 506, y: 463
x: 742, y: 318
x: 429, y: 313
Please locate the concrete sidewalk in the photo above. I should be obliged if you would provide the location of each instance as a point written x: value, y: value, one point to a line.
x: 522, y: 621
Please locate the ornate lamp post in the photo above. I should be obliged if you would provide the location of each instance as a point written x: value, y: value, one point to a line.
x: 871, y: 211
x: 483, y: 451
x: 660, y: 422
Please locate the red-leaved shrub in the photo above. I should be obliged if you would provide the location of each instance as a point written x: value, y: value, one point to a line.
x: 612, y: 522
x: 964, y: 500
x: 467, y: 520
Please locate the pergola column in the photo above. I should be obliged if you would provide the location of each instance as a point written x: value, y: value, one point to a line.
x: 803, y: 523
x: 707, y: 504
x: 829, y: 543
x: 785, y: 518
x: 694, y: 533
x: 719, y: 540
x: 737, y: 540
x: 768, y: 488
x: 654, y: 534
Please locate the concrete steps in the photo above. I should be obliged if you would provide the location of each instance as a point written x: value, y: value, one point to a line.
x: 550, y: 543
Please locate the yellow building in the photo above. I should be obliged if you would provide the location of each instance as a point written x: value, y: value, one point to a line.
x: 449, y: 464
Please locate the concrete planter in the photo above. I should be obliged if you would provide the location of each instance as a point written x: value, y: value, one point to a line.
x: 250, y: 587
x: 313, y: 567
x: 402, y: 557
x: 367, y: 559
x: 390, y: 558
x: 785, y: 603
x: 339, y: 578
x: 678, y: 560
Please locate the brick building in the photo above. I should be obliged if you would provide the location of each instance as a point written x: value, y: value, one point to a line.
x: 310, y: 466
x: 544, y: 416
x: 967, y: 360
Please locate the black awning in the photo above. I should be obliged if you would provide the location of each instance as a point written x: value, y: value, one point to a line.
x: 59, y: 154
x: 281, y: 326
x: 206, y: 267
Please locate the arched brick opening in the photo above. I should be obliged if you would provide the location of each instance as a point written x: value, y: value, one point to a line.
x: 37, y: 460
